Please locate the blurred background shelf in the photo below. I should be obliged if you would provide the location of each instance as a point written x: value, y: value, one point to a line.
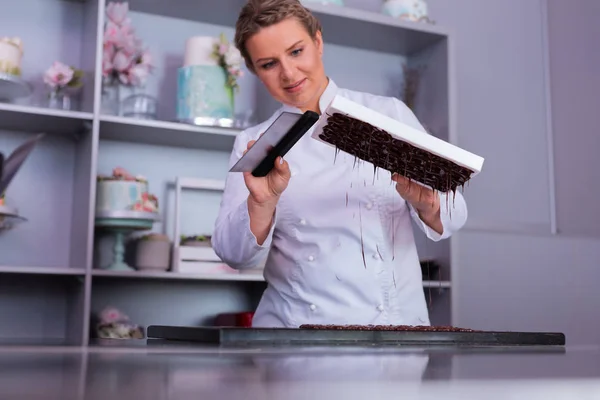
x: 378, y: 32
x: 7, y: 269
x: 38, y: 119
x: 164, y: 133
x: 242, y: 277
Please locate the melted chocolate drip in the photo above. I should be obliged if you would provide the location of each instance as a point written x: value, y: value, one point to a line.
x: 378, y: 147
x: 362, y: 244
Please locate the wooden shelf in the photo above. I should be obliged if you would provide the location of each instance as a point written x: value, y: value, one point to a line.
x: 164, y: 133
x: 254, y: 277
x: 378, y: 32
x: 6, y: 269
x: 38, y: 119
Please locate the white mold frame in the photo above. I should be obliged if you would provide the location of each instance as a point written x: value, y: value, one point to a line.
x: 180, y: 253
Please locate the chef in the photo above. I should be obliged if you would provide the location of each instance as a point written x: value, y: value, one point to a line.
x: 337, y: 237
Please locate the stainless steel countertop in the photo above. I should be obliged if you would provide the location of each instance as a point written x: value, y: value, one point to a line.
x: 202, y: 372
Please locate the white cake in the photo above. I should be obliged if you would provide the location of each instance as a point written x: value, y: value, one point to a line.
x: 11, y: 52
x: 123, y: 192
x: 203, y: 97
x: 198, y: 50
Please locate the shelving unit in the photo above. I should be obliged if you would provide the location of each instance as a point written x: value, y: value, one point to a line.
x: 242, y: 277
x: 162, y: 133
x: 51, y: 281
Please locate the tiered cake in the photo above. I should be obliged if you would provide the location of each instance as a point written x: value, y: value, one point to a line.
x: 203, y: 97
x: 124, y: 192
x: 11, y: 51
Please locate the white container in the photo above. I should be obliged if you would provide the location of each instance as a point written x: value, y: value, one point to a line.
x: 323, y: 2
x: 412, y: 10
x: 153, y: 253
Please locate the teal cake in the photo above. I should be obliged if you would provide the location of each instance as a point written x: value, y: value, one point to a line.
x: 203, y: 97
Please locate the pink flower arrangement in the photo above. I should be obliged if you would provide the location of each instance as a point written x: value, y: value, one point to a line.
x: 60, y: 76
x: 110, y: 315
x: 149, y: 203
x: 230, y: 59
x: 124, y: 59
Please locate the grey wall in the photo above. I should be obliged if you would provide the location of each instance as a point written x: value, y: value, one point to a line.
x: 575, y: 89
x: 513, y: 273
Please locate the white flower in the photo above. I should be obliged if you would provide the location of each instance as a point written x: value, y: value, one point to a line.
x: 233, y: 57
x: 138, y: 75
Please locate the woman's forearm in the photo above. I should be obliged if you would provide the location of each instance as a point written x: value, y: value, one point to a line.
x: 261, y: 218
x: 433, y: 220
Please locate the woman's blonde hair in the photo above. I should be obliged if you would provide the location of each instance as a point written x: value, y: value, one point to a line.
x: 257, y: 14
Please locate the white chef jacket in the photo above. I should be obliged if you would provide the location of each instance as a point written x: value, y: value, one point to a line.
x: 341, y: 248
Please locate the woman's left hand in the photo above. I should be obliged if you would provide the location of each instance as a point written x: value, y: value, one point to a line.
x: 423, y: 199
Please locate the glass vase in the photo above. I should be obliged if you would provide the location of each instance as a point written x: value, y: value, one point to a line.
x: 59, y: 100
x: 140, y: 105
x: 111, y: 99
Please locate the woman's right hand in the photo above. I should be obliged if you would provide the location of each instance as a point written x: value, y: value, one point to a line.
x: 267, y: 190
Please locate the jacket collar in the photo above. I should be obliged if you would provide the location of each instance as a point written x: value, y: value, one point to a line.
x: 326, y: 98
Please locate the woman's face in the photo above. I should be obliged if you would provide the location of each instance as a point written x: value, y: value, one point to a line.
x: 288, y: 62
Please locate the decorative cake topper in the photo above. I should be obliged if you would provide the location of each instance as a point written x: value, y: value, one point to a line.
x: 230, y: 59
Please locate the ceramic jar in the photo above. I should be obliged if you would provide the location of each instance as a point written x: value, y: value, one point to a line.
x: 153, y: 252
x: 412, y: 10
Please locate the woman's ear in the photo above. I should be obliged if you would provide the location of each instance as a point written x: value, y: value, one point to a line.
x: 319, y: 42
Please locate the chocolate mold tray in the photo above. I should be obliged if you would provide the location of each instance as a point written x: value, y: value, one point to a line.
x: 350, y: 335
x: 395, y: 146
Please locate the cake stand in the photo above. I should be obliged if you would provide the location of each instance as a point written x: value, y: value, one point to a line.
x: 207, y: 121
x: 122, y: 223
x: 12, y: 87
x: 9, y: 216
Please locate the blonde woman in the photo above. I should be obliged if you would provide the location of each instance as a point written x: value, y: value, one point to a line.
x: 338, y: 240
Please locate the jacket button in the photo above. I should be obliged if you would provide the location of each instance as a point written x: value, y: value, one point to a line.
x: 313, y: 307
x: 376, y: 256
x: 380, y: 307
x: 302, y: 221
x: 369, y: 206
x: 311, y: 258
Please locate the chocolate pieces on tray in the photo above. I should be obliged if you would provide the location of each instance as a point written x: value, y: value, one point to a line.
x: 417, y: 328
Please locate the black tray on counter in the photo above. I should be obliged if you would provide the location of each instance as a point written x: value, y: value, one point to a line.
x: 290, y: 336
